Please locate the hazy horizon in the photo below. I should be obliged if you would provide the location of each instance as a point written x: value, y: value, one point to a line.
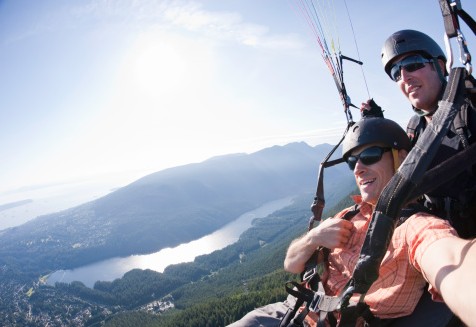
x: 51, y: 198
x: 55, y: 197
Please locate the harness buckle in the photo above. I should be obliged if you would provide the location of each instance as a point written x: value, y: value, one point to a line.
x: 324, y: 303
x: 314, y: 305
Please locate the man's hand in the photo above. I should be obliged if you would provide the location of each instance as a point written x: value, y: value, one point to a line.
x: 370, y: 108
x: 332, y: 233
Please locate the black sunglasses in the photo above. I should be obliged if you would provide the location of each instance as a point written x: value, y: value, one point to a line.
x: 368, y: 157
x: 409, y: 64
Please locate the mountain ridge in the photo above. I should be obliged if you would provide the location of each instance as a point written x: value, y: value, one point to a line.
x: 168, y: 207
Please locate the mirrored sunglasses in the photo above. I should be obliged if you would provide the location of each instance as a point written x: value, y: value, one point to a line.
x: 368, y: 157
x: 409, y: 64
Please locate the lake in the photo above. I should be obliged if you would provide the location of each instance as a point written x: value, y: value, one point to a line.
x: 110, y: 269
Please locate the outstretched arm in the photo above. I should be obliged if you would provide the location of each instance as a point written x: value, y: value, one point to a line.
x: 330, y: 233
x: 449, y: 265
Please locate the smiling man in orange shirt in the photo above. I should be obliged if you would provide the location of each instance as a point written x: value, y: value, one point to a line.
x: 424, y: 253
x: 373, y: 149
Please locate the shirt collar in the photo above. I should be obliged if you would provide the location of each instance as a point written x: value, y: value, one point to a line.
x: 365, y: 208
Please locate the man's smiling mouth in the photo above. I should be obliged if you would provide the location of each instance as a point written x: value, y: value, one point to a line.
x: 412, y: 89
x: 367, y: 181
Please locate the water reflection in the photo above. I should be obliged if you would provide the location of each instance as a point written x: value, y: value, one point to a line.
x: 111, y: 269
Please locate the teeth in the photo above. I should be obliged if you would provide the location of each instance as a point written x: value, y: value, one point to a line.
x: 367, y: 182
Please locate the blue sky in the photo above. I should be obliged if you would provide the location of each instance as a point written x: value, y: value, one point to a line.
x: 93, y: 87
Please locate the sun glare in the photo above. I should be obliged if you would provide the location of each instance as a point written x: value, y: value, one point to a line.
x: 157, y: 68
x: 161, y: 100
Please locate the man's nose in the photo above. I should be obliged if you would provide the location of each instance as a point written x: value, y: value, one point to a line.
x: 359, y: 168
x: 404, y: 75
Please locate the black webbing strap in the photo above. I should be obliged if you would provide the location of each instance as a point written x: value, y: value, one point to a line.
x: 468, y: 20
x: 289, y: 319
x: 450, y: 17
x: 405, y: 180
x: 303, y: 295
x: 445, y: 171
x: 315, y: 301
x: 350, y: 315
x: 319, y: 203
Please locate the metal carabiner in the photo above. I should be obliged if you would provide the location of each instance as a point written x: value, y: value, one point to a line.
x: 449, y: 53
x: 465, y: 56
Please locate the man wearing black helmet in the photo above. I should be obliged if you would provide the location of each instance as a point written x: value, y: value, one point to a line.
x: 374, y: 148
x: 417, y: 64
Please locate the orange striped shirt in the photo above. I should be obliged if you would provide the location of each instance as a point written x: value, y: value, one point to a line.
x: 400, y: 283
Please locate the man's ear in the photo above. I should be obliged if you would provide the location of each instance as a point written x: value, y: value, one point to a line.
x: 442, y: 67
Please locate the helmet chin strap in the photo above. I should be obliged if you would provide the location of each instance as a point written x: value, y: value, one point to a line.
x: 396, y: 160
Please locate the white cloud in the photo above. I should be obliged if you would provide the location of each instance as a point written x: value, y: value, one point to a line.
x: 193, y: 17
x: 126, y: 15
x: 227, y: 25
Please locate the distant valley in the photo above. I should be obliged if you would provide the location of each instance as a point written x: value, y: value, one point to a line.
x: 165, y: 209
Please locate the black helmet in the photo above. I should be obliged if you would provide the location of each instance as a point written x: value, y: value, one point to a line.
x: 371, y: 130
x: 406, y: 41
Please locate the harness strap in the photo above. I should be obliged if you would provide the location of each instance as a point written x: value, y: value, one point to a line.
x: 317, y: 300
x: 460, y: 124
x: 450, y: 17
x: 445, y: 171
x: 414, y: 127
x: 350, y: 314
x: 290, y: 316
x: 317, y: 206
x: 323, y: 305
